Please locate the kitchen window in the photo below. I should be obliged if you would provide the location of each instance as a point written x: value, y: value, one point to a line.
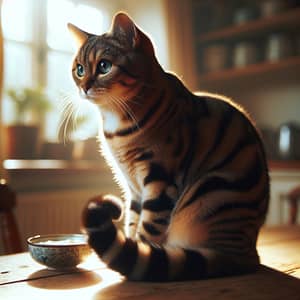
x: 38, y: 49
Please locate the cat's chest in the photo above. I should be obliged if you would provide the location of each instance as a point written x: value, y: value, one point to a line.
x: 111, y: 122
x: 132, y: 160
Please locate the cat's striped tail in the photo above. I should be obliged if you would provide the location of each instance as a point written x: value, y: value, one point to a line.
x: 137, y: 260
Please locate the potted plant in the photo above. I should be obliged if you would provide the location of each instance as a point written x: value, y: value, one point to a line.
x: 31, y: 105
x: 73, y: 128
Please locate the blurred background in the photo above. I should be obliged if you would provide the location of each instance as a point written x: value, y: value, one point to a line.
x: 247, y: 50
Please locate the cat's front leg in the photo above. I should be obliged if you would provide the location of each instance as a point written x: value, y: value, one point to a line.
x: 158, y: 201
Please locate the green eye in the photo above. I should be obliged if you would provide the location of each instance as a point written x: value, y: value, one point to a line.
x: 104, y: 66
x: 80, y: 70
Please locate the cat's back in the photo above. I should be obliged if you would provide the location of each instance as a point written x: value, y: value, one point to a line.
x: 220, y: 105
x: 203, y: 104
x: 214, y: 124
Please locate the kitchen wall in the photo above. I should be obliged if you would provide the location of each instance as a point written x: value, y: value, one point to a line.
x: 272, y: 101
x: 273, y: 104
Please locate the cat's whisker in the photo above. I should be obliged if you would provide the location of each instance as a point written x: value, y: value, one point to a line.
x: 64, y: 127
x: 65, y: 97
x: 118, y: 105
x: 67, y: 117
x: 76, y: 117
x: 127, y: 110
x: 65, y: 112
x: 66, y: 105
x: 70, y: 108
x: 137, y: 103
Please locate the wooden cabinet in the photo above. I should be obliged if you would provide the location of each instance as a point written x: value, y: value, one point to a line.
x: 229, y: 33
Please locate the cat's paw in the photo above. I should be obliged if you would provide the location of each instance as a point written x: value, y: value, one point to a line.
x: 100, y: 211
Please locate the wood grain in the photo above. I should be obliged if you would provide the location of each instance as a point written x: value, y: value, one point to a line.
x: 279, y: 249
x: 291, y: 64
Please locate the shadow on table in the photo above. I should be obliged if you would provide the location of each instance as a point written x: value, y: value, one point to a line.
x: 265, y: 284
x: 80, y: 278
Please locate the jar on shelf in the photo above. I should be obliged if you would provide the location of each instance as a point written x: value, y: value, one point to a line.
x: 215, y: 57
x: 289, y: 141
x: 244, y: 14
x: 279, y: 46
x: 270, y: 8
x: 245, y: 53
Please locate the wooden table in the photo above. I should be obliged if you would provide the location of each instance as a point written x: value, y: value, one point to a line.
x: 277, y: 278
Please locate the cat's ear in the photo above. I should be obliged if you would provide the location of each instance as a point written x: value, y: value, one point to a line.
x: 124, y: 28
x: 79, y: 35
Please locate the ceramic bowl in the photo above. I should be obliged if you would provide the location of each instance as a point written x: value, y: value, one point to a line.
x: 59, y: 251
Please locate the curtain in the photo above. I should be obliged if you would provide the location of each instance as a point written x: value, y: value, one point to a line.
x: 181, y: 40
x: 1, y: 85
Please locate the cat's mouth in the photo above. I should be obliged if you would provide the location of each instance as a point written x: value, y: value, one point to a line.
x: 92, y: 95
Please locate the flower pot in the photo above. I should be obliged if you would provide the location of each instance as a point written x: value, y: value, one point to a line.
x: 22, y: 141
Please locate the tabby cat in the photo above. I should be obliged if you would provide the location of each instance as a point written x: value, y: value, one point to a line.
x: 192, y: 166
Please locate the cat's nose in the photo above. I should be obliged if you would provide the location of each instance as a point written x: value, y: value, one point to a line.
x: 87, y: 86
x: 88, y: 93
x: 85, y: 89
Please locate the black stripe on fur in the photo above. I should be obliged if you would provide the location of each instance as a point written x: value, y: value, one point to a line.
x: 158, y: 265
x: 189, y: 156
x: 222, y: 128
x: 145, y: 156
x: 156, y: 173
x: 126, y: 260
x: 140, y: 124
x: 216, y: 183
x: 253, y: 205
x: 102, y: 240
x: 136, y: 206
x: 194, y: 266
x: 149, y: 228
x: 240, y: 146
x: 162, y: 221
x: 163, y: 202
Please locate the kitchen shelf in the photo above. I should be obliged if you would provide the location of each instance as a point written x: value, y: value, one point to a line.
x: 291, y: 64
x: 19, y: 165
x: 288, y: 19
x: 52, y: 165
x: 284, y: 165
x: 52, y: 175
x: 287, y: 68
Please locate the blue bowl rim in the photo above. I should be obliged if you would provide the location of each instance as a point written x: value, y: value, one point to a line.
x: 31, y: 242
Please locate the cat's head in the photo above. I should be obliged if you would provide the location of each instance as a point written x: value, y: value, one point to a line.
x: 114, y: 65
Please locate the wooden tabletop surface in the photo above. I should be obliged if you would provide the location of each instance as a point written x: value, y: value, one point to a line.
x: 277, y: 278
